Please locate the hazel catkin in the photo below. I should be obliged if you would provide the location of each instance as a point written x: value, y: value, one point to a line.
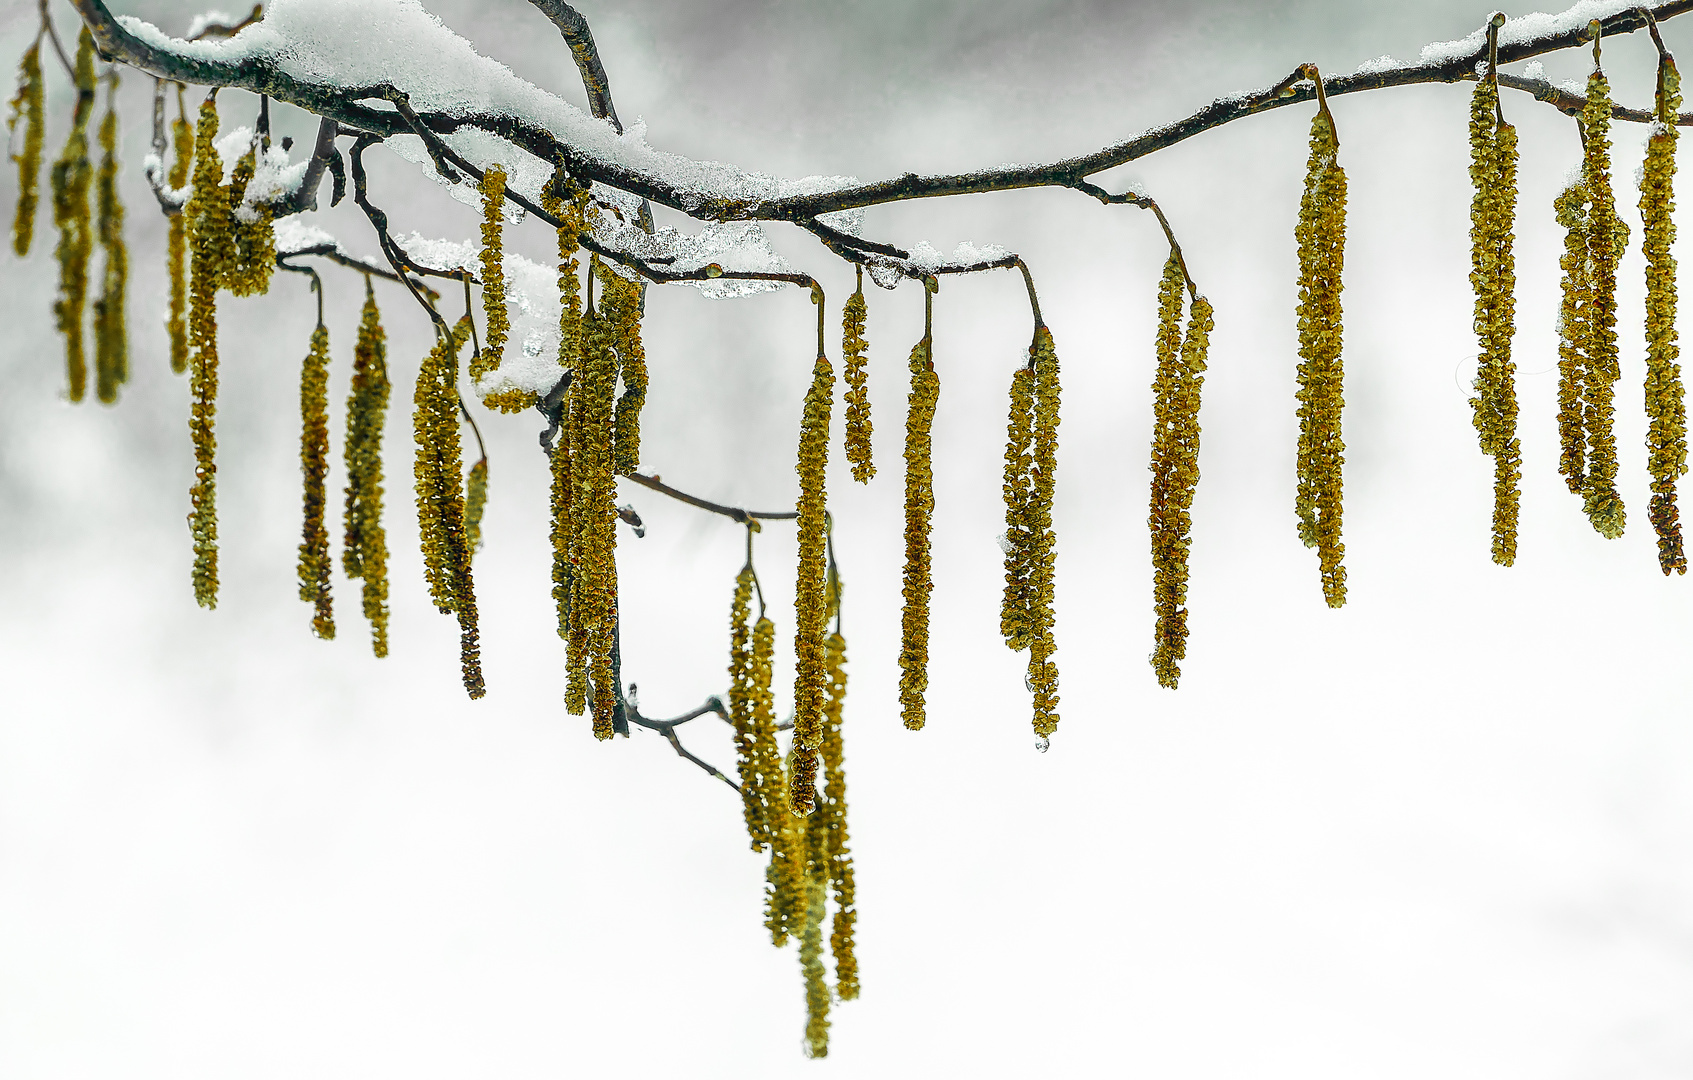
x: 1666, y: 410
x: 71, y: 177
x: 365, y: 544
x: 29, y: 106
x: 810, y: 604
x: 314, y: 465
x: 854, y: 316
x: 919, y: 509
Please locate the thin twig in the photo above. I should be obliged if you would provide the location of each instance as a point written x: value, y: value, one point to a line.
x: 733, y: 512
x: 667, y: 728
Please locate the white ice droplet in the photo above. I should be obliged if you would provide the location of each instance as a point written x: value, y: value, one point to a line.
x: 1042, y: 744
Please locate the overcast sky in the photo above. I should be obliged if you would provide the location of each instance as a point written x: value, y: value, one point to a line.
x: 1443, y: 831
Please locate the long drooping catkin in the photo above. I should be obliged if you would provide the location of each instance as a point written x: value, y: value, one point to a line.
x: 72, y: 175
x: 29, y: 105
x: 1175, y: 465
x: 622, y: 310
x: 111, y: 327
x: 569, y: 214
x: 1574, y: 312
x: 496, y: 322
x: 176, y: 245
x: 815, y: 904
x: 1493, y: 173
x: 314, y: 464
x: 765, y: 757
x: 593, y: 608
x: 784, y: 894
x: 741, y: 708
x: 854, y: 316
x: 1016, y: 614
x: 1606, y: 237
x: 1666, y: 410
x: 209, y: 230
x: 1321, y: 238
x: 365, y: 544
x: 440, y: 499
x: 475, y: 503
x: 1043, y: 554
x: 919, y: 508
x: 834, y: 815
x: 811, y: 614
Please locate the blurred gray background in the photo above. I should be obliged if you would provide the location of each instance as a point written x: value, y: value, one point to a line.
x: 1444, y: 831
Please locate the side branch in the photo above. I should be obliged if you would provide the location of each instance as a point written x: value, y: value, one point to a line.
x: 733, y: 512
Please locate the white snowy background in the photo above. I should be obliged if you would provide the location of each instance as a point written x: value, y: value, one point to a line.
x: 1446, y: 831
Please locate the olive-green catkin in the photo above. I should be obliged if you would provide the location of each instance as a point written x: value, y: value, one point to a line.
x: 71, y: 177
x: 784, y: 895
x: 251, y: 258
x: 1175, y: 465
x: 1666, y: 410
x: 1493, y: 174
x: 1043, y: 554
x: 1570, y: 208
x: 834, y: 818
x: 854, y: 317
x: 769, y: 789
x: 440, y: 499
x: 1321, y: 239
x: 814, y: 901
x: 111, y: 329
x: 622, y: 310
x: 496, y: 323
x: 364, y: 552
x: 593, y: 606
x: 741, y: 708
x: 1016, y: 616
x: 208, y: 219
x: 919, y: 509
x: 176, y: 245
x: 1606, y: 237
x: 562, y: 530
x: 314, y: 466
x: 475, y: 503
x: 29, y: 106
x: 811, y: 612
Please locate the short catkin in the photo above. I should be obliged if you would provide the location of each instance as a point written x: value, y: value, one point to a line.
x: 496, y: 322
x: 621, y: 307
x: 1321, y: 239
x: 854, y: 318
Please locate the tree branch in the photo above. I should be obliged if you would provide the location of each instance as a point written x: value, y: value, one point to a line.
x: 667, y: 728
x: 733, y: 512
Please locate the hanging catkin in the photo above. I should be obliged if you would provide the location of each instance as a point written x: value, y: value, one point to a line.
x: 1588, y: 362
x: 834, y: 815
x: 1175, y: 464
x: 764, y: 755
x: 593, y: 604
x: 29, y: 105
x: 111, y: 331
x: 251, y: 258
x: 854, y: 316
x: 314, y: 465
x: 1493, y: 173
x: 569, y: 215
x: 742, y: 692
x: 815, y: 904
x: 208, y: 220
x: 785, y: 901
x: 365, y: 545
x: 621, y: 307
x: 1043, y: 552
x: 811, y: 613
x: 1666, y: 411
x: 71, y: 177
x: 475, y: 503
x: 176, y: 244
x: 1321, y: 238
x: 440, y: 499
x: 919, y: 508
x: 494, y: 317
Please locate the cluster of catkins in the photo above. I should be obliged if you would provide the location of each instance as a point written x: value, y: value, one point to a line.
x: 803, y: 829
x: 80, y: 224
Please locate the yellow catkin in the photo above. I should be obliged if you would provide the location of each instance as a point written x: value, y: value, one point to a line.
x: 593, y: 606
x: 440, y: 499
x: 1175, y: 467
x: 1321, y: 239
x: 1043, y: 554
x: 208, y: 221
x: 569, y: 215
x: 785, y: 897
x: 252, y: 256
x: 1570, y: 207
x: 1493, y: 174
x: 111, y: 329
x: 176, y: 248
x: 71, y: 177
x: 1607, y: 236
x: 622, y: 310
x: 919, y: 508
x: 1016, y: 617
x: 854, y: 316
x: 811, y: 613
x: 815, y: 900
x: 495, y: 320
x: 365, y: 544
x: 834, y: 816
x: 475, y: 503
x: 1666, y: 410
x: 741, y: 708
x: 769, y: 787
x: 29, y: 105
x: 314, y: 464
